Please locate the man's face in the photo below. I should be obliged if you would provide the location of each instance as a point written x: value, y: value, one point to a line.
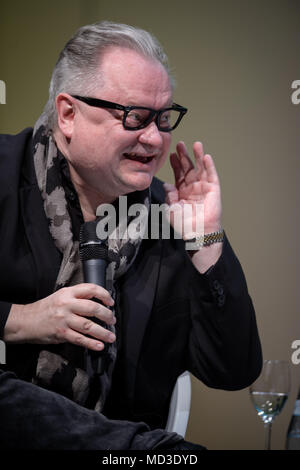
x: 103, y: 155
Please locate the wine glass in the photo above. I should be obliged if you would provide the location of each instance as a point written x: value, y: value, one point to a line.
x: 270, y: 392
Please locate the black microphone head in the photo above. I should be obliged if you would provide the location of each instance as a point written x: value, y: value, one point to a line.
x: 90, y: 246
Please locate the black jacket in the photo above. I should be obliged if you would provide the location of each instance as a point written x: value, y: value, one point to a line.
x: 172, y: 317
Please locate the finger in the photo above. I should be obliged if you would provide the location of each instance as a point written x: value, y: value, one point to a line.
x: 177, y: 169
x: 78, y: 339
x: 90, y: 328
x: 199, y: 154
x: 168, y: 187
x: 88, y: 291
x: 90, y: 308
x: 212, y: 175
x: 171, y: 193
x: 184, y: 158
x: 205, y: 164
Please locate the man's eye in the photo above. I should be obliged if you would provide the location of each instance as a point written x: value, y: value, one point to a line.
x: 165, y: 117
x: 135, y: 117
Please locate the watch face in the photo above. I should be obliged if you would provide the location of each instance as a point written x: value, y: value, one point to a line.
x: 195, y: 244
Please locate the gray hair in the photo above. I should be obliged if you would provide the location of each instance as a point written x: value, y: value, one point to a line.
x: 77, y: 68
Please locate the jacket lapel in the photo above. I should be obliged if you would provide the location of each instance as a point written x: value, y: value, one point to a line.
x: 46, y: 256
x: 138, y: 294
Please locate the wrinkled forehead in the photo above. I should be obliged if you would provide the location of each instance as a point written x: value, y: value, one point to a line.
x: 128, y: 75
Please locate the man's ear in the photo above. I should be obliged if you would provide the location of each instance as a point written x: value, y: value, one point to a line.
x: 65, y: 114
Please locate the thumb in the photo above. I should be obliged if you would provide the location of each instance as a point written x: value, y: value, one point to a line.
x: 171, y: 193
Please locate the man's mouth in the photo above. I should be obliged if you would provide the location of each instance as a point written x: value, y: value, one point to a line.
x: 139, y: 158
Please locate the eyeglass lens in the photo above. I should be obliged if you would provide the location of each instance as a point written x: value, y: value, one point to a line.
x: 166, y: 120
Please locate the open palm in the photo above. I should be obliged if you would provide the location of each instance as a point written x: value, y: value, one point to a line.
x: 196, y: 184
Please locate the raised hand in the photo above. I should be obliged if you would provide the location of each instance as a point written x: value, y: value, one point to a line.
x: 196, y: 184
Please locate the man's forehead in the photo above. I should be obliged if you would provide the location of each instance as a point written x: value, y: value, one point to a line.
x: 127, y: 73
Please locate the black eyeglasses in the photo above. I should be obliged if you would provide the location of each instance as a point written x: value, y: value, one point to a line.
x: 138, y: 117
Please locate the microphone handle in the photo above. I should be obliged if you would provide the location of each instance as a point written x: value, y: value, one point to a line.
x: 94, y: 271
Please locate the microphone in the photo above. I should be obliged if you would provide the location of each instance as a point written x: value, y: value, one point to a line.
x: 93, y: 254
x: 94, y: 258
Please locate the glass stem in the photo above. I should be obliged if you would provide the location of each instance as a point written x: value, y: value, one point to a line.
x: 268, y: 429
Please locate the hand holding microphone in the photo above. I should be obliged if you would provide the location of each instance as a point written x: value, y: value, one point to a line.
x: 78, y: 314
x: 65, y: 316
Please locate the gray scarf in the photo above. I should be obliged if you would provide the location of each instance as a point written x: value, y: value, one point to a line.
x: 62, y: 368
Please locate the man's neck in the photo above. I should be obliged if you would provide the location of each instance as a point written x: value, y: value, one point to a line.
x: 89, y: 198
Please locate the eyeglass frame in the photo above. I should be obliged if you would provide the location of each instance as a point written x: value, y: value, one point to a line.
x: 153, y: 116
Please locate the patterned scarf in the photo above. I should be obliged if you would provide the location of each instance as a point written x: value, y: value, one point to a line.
x: 66, y: 368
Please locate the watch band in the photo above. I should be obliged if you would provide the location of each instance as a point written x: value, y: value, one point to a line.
x: 207, y: 239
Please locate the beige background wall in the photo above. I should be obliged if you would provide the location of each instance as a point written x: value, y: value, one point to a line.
x: 234, y: 62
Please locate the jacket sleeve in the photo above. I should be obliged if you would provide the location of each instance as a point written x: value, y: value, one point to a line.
x: 224, y: 346
x: 36, y: 419
x: 4, y: 312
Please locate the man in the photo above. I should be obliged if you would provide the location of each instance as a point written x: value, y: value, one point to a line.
x: 105, y: 133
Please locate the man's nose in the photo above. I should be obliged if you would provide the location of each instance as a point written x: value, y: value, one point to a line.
x: 151, y: 135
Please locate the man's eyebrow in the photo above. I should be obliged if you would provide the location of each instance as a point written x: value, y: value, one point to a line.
x: 169, y: 103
